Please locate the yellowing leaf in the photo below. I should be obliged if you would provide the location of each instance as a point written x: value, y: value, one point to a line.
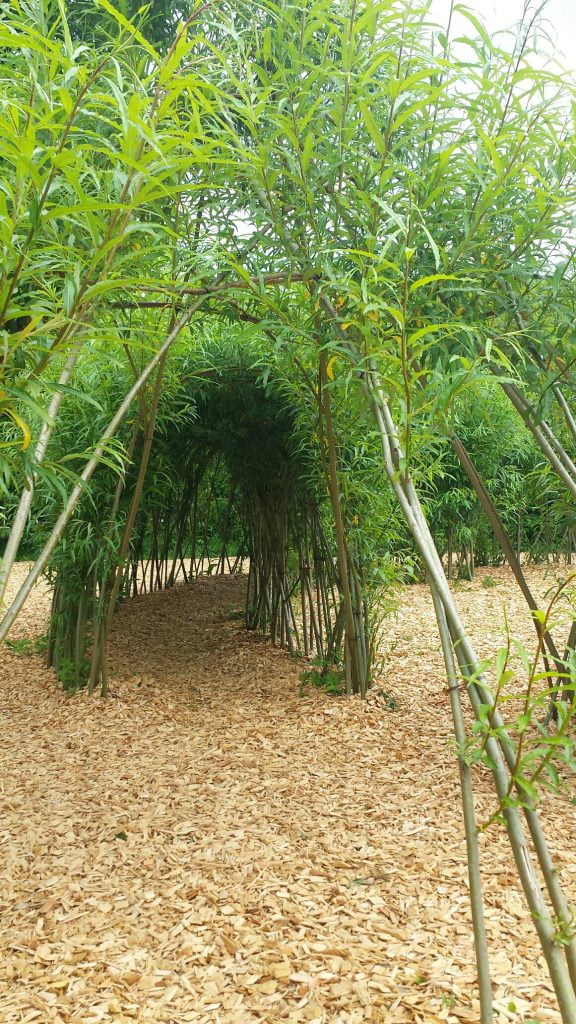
x: 22, y: 425
x: 346, y: 325
x: 431, y: 279
x: 330, y: 368
x: 30, y: 326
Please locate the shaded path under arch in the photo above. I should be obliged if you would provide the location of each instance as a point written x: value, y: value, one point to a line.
x: 208, y: 846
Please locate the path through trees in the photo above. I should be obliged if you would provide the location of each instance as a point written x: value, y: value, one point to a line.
x: 216, y: 857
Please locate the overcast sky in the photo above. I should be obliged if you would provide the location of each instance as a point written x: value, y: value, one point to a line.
x: 561, y: 15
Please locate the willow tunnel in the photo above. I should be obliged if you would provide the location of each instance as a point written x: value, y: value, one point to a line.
x: 237, y: 479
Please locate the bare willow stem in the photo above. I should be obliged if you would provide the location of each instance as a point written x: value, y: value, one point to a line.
x: 546, y: 440
x: 357, y: 675
x: 27, y: 496
x: 135, y: 502
x: 559, y: 959
x: 470, y: 828
x: 502, y: 537
x: 250, y: 284
x: 87, y: 474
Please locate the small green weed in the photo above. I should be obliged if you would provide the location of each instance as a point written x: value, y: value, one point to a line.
x: 324, y: 676
x: 73, y: 677
x: 26, y: 645
x: 461, y: 584
x: 489, y: 581
x: 564, y: 929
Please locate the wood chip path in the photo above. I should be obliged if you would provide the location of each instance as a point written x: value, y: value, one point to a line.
x: 208, y: 846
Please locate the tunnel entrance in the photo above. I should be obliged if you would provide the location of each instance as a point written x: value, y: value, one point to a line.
x: 235, y: 482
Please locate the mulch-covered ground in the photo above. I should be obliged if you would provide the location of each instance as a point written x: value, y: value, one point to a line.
x: 208, y: 845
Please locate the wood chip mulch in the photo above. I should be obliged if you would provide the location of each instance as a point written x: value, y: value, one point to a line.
x: 208, y: 846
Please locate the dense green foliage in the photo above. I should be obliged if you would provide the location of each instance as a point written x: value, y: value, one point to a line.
x: 428, y: 276
x: 221, y: 159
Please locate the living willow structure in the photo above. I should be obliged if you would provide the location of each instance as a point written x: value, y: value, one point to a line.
x: 251, y: 261
x: 234, y: 472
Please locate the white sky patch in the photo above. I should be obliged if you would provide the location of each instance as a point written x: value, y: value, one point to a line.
x: 559, y: 16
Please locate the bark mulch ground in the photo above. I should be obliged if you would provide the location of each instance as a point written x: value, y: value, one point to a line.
x: 208, y: 845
